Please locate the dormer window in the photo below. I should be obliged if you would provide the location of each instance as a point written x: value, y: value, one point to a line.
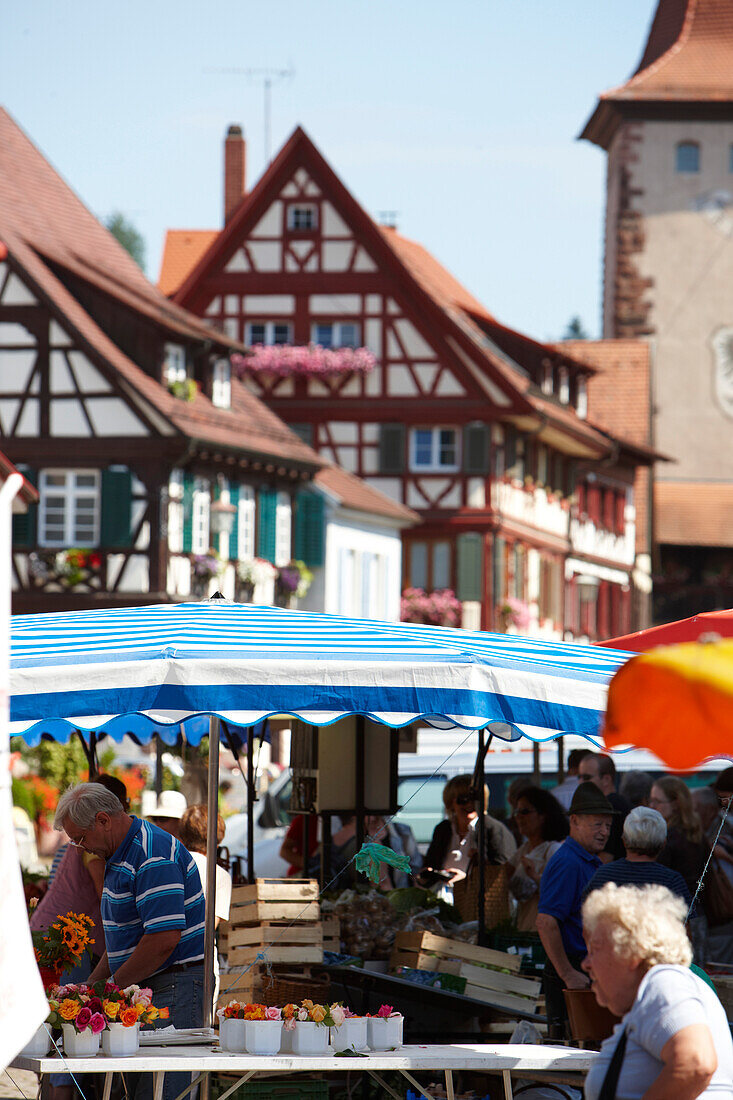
x: 548, y: 380
x: 564, y: 386
x: 174, y: 366
x: 581, y: 404
x: 687, y: 157
x: 221, y: 388
x: 302, y: 217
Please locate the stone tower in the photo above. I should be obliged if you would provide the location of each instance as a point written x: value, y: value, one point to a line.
x: 668, y: 276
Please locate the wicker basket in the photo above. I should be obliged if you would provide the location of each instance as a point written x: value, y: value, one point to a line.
x: 280, y: 989
x: 496, y: 894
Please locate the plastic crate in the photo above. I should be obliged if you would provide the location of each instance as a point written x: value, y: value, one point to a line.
x: 291, y: 1088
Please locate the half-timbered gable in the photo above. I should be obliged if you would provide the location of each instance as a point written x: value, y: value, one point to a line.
x: 478, y: 428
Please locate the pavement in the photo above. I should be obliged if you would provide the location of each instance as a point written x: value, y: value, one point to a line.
x: 19, y: 1084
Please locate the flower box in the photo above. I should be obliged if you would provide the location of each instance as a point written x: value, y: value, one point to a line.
x: 310, y: 1038
x: 384, y: 1033
x: 119, y: 1041
x: 80, y: 1044
x: 351, y: 1035
x: 40, y: 1043
x: 263, y: 1036
x: 232, y: 1036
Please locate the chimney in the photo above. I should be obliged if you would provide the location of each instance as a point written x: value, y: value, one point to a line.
x: 234, y: 162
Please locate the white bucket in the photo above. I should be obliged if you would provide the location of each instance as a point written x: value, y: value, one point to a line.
x: 263, y: 1036
x: 310, y: 1038
x: 385, y: 1034
x: 80, y: 1044
x: 231, y: 1036
x: 352, y: 1035
x: 120, y: 1041
x: 39, y: 1045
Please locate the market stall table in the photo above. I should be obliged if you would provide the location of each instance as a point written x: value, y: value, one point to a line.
x: 506, y: 1059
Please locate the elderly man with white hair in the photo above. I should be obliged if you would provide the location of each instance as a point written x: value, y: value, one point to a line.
x: 644, y: 836
x: 674, y: 1040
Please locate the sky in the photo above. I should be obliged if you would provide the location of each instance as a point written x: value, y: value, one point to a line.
x: 460, y: 117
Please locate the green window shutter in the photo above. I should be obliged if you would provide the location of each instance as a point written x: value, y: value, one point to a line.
x: 476, y: 449
x: 391, y: 448
x: 234, y: 537
x: 116, y: 525
x: 266, y: 513
x: 499, y: 570
x: 188, y: 481
x: 310, y: 529
x: 24, y: 525
x: 470, y: 554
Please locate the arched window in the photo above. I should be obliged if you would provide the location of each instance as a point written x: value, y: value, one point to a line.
x: 687, y: 157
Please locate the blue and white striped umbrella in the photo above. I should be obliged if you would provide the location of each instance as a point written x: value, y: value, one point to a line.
x: 150, y: 670
x: 168, y: 669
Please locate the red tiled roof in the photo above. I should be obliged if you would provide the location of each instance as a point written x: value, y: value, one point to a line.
x: 431, y: 274
x: 688, y: 58
x: 182, y: 250
x: 619, y: 394
x: 693, y: 513
x: 355, y: 493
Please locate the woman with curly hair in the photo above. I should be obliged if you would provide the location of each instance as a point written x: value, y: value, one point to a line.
x: 543, y: 823
x: 673, y: 1039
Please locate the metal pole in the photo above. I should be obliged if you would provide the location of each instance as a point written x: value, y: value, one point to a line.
x: 536, y: 764
x: 213, y: 813
x: 481, y: 915
x: 560, y: 759
x: 250, y: 806
x: 158, y: 766
x: 326, y: 848
x: 359, y: 781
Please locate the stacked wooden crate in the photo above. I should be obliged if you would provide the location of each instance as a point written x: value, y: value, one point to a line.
x: 274, y: 924
x: 491, y: 976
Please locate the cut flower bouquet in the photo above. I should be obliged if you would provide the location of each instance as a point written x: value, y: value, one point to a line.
x: 308, y: 1012
x: 96, y: 1007
x: 61, y: 946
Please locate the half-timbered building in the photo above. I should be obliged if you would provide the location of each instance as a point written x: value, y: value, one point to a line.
x: 481, y: 430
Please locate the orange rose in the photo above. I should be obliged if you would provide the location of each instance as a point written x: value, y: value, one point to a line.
x: 289, y: 1011
x: 128, y: 1017
x: 164, y: 1013
x: 69, y: 1009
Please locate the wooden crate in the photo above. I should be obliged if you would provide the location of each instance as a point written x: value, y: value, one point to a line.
x: 332, y: 934
x: 417, y: 943
x: 281, y: 942
x: 275, y: 899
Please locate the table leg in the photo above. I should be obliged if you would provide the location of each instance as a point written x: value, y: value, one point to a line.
x: 107, y: 1086
x: 382, y: 1084
x: 418, y: 1086
x: 449, y: 1085
x: 241, y: 1081
x: 507, y: 1078
x: 158, y: 1081
x: 189, y: 1088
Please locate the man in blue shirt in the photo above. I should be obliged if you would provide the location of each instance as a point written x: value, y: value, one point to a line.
x: 153, y: 909
x: 562, y: 886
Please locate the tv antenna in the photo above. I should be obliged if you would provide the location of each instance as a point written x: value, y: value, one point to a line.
x: 268, y: 78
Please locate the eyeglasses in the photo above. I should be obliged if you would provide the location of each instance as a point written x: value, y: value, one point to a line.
x: 80, y: 842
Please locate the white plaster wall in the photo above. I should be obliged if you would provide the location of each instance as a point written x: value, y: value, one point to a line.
x: 586, y: 538
x: 266, y: 255
x: 333, y: 304
x: 268, y: 303
x: 530, y: 506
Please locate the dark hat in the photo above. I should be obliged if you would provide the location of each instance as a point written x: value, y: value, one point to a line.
x: 589, y: 800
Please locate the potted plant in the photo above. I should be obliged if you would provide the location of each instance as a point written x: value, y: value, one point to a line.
x: 513, y: 612
x: 384, y: 1031
x: 252, y: 572
x: 77, y: 1010
x: 185, y: 389
x: 439, y: 608
x: 293, y: 581
x: 309, y: 1026
x: 204, y: 567
x: 124, y: 1011
x: 61, y: 946
x: 349, y: 1031
x: 283, y: 360
x: 262, y: 1029
x: 231, y: 1028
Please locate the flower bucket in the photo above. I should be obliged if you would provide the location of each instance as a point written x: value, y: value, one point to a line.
x: 263, y: 1036
x: 384, y: 1033
x: 286, y: 1041
x: 50, y: 976
x: 310, y: 1038
x: 80, y: 1044
x: 39, y: 1045
x: 231, y: 1036
x: 352, y: 1035
x: 120, y: 1041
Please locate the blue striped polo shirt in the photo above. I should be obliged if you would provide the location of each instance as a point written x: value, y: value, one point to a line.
x: 152, y: 884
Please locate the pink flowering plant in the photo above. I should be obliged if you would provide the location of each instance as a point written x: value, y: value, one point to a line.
x: 439, y: 608
x: 386, y: 1012
x: 78, y: 1005
x: 514, y: 612
x: 282, y: 360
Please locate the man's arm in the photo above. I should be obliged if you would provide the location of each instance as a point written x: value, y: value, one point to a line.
x: 149, y: 955
x: 549, y: 933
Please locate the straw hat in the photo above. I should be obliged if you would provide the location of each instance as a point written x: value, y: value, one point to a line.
x: 170, y: 804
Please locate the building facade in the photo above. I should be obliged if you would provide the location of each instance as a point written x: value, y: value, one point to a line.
x: 668, y: 135
x: 482, y: 431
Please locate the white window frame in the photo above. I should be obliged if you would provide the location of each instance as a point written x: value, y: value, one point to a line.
x: 563, y: 389
x: 246, y: 522
x: 283, y: 529
x: 337, y: 338
x: 548, y: 379
x: 221, y: 384
x: 269, y: 327
x: 435, y: 464
x: 581, y: 404
x: 306, y: 211
x: 174, y: 369
x: 70, y: 492
x: 200, y: 511
x: 175, y: 526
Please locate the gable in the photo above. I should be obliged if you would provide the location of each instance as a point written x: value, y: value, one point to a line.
x: 49, y: 386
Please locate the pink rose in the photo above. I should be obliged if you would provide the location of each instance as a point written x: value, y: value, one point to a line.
x: 289, y: 1024
x: 302, y: 1014
x: 97, y: 1023
x: 385, y: 1012
x: 83, y: 1017
x: 338, y: 1015
x: 272, y: 1013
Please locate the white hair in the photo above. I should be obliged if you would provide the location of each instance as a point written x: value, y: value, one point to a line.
x: 645, y: 831
x: 82, y: 803
x: 645, y: 922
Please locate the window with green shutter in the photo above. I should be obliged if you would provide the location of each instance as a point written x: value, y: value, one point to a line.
x: 499, y: 570
x: 116, y: 523
x: 188, y: 488
x: 391, y: 448
x: 476, y: 449
x: 24, y: 524
x: 267, y: 524
x: 310, y: 529
x: 234, y: 537
x: 470, y: 566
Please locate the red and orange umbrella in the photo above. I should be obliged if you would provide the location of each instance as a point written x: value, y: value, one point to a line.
x: 684, y: 630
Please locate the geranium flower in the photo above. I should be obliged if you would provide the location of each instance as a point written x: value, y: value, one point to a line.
x: 83, y: 1017
x: 97, y: 1023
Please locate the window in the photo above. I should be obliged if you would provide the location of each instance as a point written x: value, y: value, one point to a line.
x: 283, y: 518
x: 69, y: 508
x: 303, y: 217
x: 221, y: 390
x: 434, y: 449
x: 687, y: 157
x: 548, y: 379
x: 541, y: 463
x: 564, y: 387
x: 246, y: 548
x: 581, y: 401
x: 174, y: 367
x: 200, y: 517
x: 267, y: 332
x: 430, y: 565
x: 175, y: 526
x: 336, y: 334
